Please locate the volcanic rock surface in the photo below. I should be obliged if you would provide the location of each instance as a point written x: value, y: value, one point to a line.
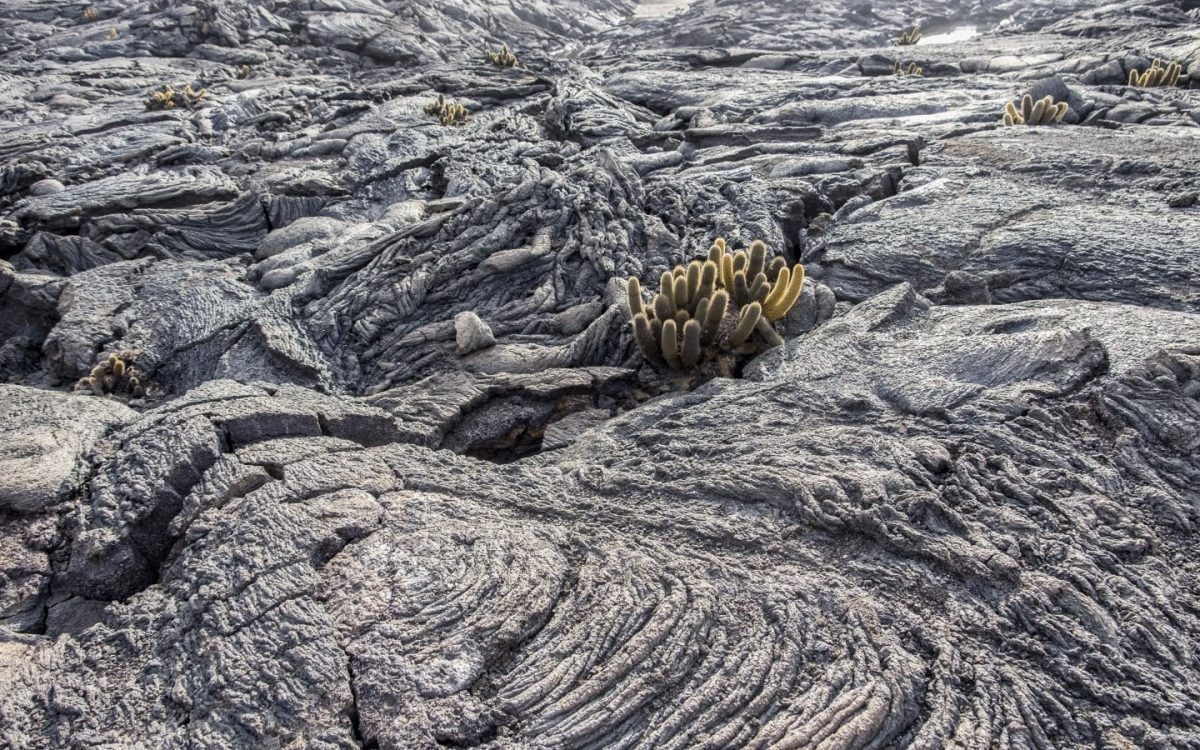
x: 401, y: 477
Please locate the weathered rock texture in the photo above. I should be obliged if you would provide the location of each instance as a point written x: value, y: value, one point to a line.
x: 401, y: 478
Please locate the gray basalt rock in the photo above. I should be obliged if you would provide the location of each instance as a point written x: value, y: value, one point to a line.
x: 958, y: 506
x: 45, y: 442
x: 471, y: 334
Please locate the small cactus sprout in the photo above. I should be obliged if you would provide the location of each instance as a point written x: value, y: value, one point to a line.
x: 1156, y: 75
x: 114, y: 375
x: 503, y: 59
x: 90, y: 13
x: 1044, y: 111
x: 448, y: 111
x: 715, y: 309
x: 242, y: 72
x: 912, y: 70
x: 112, y: 34
x: 909, y: 38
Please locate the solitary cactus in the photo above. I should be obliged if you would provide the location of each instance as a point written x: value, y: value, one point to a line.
x: 910, y: 37
x: 712, y: 309
x: 504, y: 58
x: 114, y: 375
x: 448, y: 111
x: 168, y: 98
x: 1044, y: 111
x: 912, y: 70
x: 1156, y: 75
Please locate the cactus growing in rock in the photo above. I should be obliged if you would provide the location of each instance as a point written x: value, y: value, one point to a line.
x: 1044, y: 111
x: 910, y: 37
x: 912, y: 70
x: 168, y: 98
x: 504, y: 58
x: 448, y: 111
x: 715, y: 309
x: 115, y: 374
x: 1156, y: 75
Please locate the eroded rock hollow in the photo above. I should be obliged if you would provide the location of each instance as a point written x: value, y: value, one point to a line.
x: 323, y: 423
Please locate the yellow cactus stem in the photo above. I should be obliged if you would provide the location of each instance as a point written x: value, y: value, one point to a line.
x: 644, y: 335
x: 700, y: 314
x: 689, y: 355
x: 716, y: 313
x: 747, y: 319
x: 768, y: 334
x: 670, y: 344
x: 778, y: 263
x: 727, y: 271
x: 1174, y: 71
x: 708, y: 278
x: 681, y: 294
x: 1156, y: 75
x: 633, y: 292
x: 692, y: 287
x: 741, y: 289
x: 715, y: 252
x: 758, y: 258
x: 663, y: 308
x: 908, y: 38
x: 681, y: 319
x: 776, y: 307
x: 668, y: 292
x: 1038, y: 110
x: 759, y: 288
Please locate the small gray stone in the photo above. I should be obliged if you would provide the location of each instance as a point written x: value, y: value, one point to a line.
x: 966, y: 288
x: 471, y: 333
x: 47, y: 186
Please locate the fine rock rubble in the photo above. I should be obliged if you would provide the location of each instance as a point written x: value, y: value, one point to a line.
x: 397, y: 475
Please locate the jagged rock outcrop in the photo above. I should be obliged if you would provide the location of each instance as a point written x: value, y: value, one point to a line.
x: 400, y: 476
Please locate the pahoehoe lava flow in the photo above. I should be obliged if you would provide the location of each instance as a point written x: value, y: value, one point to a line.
x: 588, y: 374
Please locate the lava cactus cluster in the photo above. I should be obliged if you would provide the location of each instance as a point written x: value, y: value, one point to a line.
x: 715, y: 311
